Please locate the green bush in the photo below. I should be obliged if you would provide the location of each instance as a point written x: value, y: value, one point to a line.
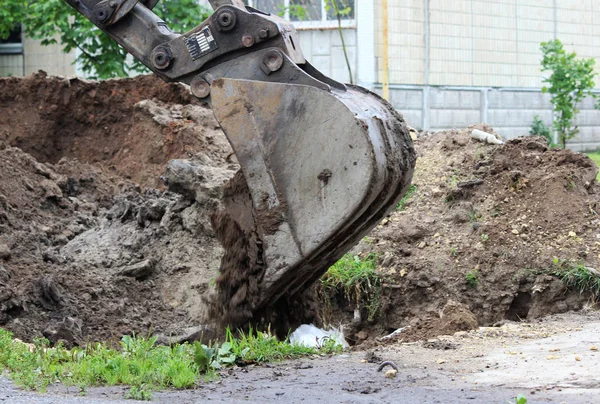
x: 539, y: 128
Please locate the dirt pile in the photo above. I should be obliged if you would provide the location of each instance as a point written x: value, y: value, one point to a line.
x: 482, y: 230
x: 131, y: 127
x: 88, y: 253
x: 111, y: 218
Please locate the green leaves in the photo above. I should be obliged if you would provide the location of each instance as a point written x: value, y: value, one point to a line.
x: 570, y: 81
x: 54, y: 21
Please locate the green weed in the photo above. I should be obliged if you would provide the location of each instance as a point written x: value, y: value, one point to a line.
x: 474, y: 216
x: 453, y: 252
x: 139, y: 362
x: 402, y: 204
x: 521, y: 399
x: 577, y: 276
x: 539, y: 128
x: 472, y: 278
x: 485, y: 237
x: 357, y: 280
x: 257, y: 347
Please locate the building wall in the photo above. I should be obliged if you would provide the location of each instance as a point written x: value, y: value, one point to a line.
x: 450, y: 52
x: 50, y: 58
x: 482, y: 42
x: 11, y: 65
x: 37, y: 57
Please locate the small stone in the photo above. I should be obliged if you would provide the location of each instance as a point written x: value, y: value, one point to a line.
x: 138, y: 271
x: 594, y: 348
x: 578, y: 358
x: 362, y: 335
x: 51, y: 189
x: 390, y: 374
x: 551, y: 357
x: 515, y: 232
x: 384, y: 222
x: 572, y: 234
x: 441, y: 361
x: 4, y: 252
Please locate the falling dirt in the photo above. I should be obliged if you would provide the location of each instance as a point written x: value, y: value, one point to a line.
x: 242, y: 263
x: 116, y: 198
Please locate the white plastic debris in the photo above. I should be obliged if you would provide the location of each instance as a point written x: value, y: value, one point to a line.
x: 392, y: 335
x: 485, y: 137
x: 314, y: 337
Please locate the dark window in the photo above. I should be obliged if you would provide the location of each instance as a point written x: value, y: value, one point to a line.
x: 13, y: 44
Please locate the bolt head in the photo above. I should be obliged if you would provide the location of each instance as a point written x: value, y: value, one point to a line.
x: 273, y: 60
x: 161, y: 58
x: 226, y: 20
x: 248, y: 40
x: 101, y: 15
x: 200, y: 87
x: 263, y: 33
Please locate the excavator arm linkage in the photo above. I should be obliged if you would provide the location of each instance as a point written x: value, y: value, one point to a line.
x: 324, y: 162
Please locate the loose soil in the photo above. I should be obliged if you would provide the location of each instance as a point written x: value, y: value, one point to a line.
x: 111, y: 221
x: 500, y: 214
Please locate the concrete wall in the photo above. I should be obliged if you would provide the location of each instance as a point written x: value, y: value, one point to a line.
x: 37, y: 57
x: 493, y: 43
x: 509, y: 111
x: 11, y: 65
x: 48, y: 58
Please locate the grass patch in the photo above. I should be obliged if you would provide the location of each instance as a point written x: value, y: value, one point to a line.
x: 357, y: 280
x: 402, y: 204
x: 596, y: 158
x: 472, y: 278
x: 577, y: 276
x: 139, y: 363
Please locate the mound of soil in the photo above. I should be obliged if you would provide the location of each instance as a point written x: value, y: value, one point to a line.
x: 482, y: 231
x: 104, y: 122
x: 111, y: 213
x: 86, y: 252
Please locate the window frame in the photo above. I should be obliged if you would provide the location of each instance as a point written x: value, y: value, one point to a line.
x: 323, y: 23
x: 13, y: 48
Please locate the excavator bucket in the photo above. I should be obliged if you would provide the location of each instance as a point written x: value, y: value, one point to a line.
x: 322, y: 162
x: 323, y: 168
